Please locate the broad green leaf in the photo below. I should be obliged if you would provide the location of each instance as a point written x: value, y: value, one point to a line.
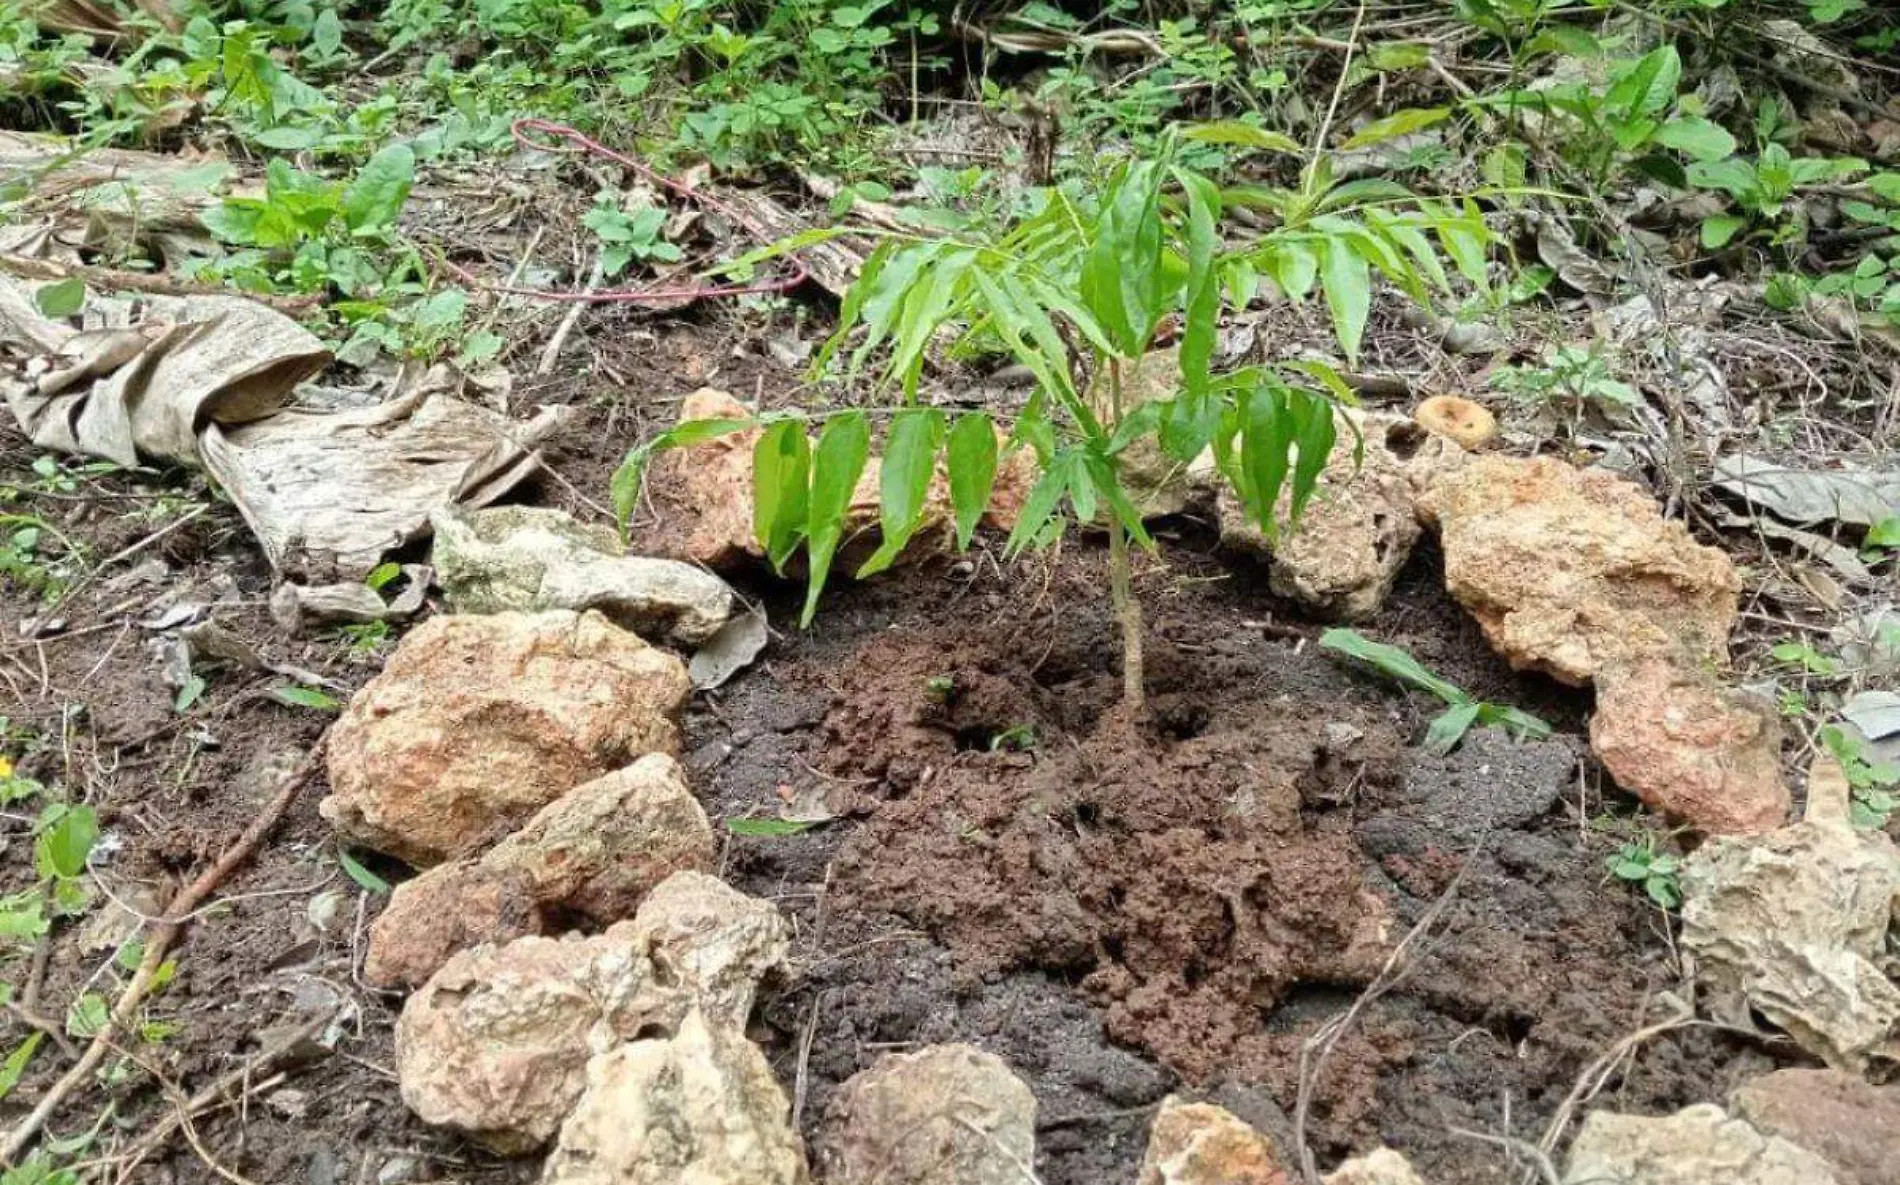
x: 838, y: 462
x: 1348, y: 284
x: 1044, y: 497
x: 768, y: 828
x: 1266, y: 445
x: 1242, y: 135
x: 910, y: 460
x: 972, y: 465
x: 1398, y: 55
x: 1313, y: 435
x: 1450, y: 728
x: 1399, y: 123
x: 14, y: 1068
x: 1886, y: 187
x: 365, y: 879
x: 1104, y: 477
x: 927, y: 307
x: 65, y: 840
x: 61, y: 298
x: 23, y: 915
x: 1522, y: 725
x: 1718, y: 229
x: 373, y: 201
x: 1694, y: 136
x: 1648, y: 87
x: 89, y: 1014
x: 1392, y: 661
x: 1201, y: 301
x: 304, y: 697
x: 625, y: 485
x: 781, y: 466
x: 1885, y: 533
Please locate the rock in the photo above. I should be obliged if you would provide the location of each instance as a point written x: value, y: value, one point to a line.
x: 476, y: 722
x: 701, y: 1107
x: 1705, y: 754
x: 706, y: 492
x: 1793, y: 926
x: 595, y: 852
x: 713, y: 940
x: 1359, y: 529
x: 1381, y: 1166
x: 1699, y: 1145
x: 496, y: 1044
x: 1571, y: 571
x: 1201, y: 1144
x: 528, y: 558
x: 1852, y: 1125
x: 943, y: 1115
x: 449, y: 908
x: 1468, y: 425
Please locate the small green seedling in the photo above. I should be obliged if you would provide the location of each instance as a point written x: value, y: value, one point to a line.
x: 1077, y: 290
x: 1017, y: 738
x: 1639, y: 863
x: 1463, y: 711
x: 940, y: 687
x: 1874, y: 785
x: 1810, y: 660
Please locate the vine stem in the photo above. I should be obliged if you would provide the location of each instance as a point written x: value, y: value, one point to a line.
x: 1120, y: 580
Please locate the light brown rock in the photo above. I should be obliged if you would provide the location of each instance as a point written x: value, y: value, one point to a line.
x: 1572, y: 571
x: 1792, y: 926
x: 699, y: 1108
x: 943, y: 1115
x: 713, y: 940
x: 1381, y: 1166
x: 1201, y: 1144
x: 706, y: 495
x: 479, y: 721
x: 595, y: 852
x: 1699, y: 1145
x: 1468, y: 425
x: 449, y: 908
x: 1691, y: 748
x: 1342, y: 556
x: 1841, y: 1118
x: 496, y: 1044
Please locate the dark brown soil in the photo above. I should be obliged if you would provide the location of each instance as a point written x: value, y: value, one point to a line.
x: 1119, y: 911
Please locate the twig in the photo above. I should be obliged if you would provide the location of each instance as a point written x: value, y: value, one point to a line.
x: 1315, y: 1049
x: 552, y: 353
x: 163, y: 934
x: 1539, y: 1159
x: 1598, y: 1072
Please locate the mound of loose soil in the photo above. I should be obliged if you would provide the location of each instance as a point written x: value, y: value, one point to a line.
x: 1121, y: 910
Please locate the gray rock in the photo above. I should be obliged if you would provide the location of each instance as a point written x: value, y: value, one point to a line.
x: 944, y: 1115
x: 1848, y: 1122
x: 701, y: 1107
x: 532, y: 558
x: 1700, y: 1145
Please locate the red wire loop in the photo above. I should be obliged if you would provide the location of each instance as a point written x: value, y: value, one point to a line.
x: 525, y: 131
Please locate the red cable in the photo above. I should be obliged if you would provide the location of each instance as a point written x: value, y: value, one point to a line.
x: 799, y: 274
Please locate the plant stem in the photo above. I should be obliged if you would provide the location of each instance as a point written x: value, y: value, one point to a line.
x: 1128, y: 610
x: 1120, y: 579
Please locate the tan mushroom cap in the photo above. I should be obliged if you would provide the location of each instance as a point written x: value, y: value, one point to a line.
x: 1460, y: 420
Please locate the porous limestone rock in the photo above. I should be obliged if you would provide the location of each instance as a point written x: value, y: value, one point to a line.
x: 1686, y: 745
x: 1345, y: 551
x: 1201, y: 1144
x: 477, y: 722
x: 595, y: 852
x: 699, y: 1108
x: 1572, y: 571
x: 530, y: 558
x: 713, y: 940
x: 1793, y: 926
x: 1381, y: 1166
x: 497, y: 1043
x: 942, y: 1115
x: 1700, y: 1145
